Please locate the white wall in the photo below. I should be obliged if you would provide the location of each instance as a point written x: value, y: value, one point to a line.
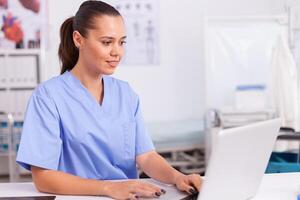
x: 238, y: 7
x: 174, y: 89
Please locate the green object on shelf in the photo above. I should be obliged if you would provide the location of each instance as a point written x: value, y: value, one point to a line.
x: 5, y: 146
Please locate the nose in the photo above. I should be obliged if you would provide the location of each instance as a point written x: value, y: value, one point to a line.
x: 116, y: 50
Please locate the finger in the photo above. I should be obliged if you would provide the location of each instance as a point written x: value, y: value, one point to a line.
x: 156, y: 192
x: 154, y: 188
x: 186, y: 187
x: 144, y: 189
x: 195, y: 181
x: 142, y: 192
x: 133, y: 196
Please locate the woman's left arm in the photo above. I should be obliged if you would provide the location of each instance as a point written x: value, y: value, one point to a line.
x: 159, y: 169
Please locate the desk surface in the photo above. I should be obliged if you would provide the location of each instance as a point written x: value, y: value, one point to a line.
x: 273, y: 187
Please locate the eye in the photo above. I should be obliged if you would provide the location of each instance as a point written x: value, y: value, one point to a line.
x: 123, y: 43
x: 106, y: 43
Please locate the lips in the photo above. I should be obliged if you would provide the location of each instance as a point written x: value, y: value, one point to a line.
x: 113, y: 63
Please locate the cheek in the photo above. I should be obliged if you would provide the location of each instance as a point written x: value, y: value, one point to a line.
x: 99, y: 52
x: 122, y: 52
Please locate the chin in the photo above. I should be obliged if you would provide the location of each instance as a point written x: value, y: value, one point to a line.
x: 109, y: 72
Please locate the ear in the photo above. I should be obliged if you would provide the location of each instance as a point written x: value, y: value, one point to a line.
x: 77, y: 39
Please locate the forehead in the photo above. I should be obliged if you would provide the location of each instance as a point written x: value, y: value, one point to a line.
x: 112, y: 26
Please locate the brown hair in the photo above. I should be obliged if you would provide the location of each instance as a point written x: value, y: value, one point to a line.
x: 81, y: 22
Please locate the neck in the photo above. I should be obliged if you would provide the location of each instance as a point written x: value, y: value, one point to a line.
x: 89, y: 79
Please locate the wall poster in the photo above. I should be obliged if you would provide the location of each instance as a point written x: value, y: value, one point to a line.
x: 142, y: 29
x: 22, y: 23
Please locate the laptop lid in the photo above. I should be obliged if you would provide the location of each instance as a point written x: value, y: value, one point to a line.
x: 238, y: 161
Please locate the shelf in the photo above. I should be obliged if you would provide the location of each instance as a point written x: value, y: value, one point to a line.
x: 9, y: 52
x: 2, y: 154
x: 20, y: 88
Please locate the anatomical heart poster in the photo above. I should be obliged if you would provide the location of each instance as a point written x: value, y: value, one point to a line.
x: 22, y: 23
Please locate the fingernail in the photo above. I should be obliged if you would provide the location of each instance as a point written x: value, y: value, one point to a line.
x: 163, y: 191
x: 192, y: 191
x: 195, y: 189
x: 157, y: 194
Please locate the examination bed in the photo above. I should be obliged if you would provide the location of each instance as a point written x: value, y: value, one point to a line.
x: 181, y: 142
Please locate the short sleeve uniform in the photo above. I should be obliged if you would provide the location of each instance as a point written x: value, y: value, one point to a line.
x: 66, y: 129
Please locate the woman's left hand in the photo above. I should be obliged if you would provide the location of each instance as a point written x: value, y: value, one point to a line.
x: 188, y: 183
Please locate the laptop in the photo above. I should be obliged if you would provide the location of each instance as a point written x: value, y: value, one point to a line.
x: 29, y: 198
x: 237, y: 162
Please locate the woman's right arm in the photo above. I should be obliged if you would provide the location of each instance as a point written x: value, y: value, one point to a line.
x: 57, y: 182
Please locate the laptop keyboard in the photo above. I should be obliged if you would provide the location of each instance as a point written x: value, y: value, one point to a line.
x: 191, y: 197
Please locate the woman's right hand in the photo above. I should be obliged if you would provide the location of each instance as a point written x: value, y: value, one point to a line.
x: 132, y: 190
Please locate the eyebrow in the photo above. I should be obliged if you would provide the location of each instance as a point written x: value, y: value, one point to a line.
x: 111, y: 38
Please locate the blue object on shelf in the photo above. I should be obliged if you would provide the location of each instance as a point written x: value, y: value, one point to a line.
x: 250, y: 87
x: 283, y: 162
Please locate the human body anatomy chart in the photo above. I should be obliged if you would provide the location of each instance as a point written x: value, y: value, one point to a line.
x: 141, y: 19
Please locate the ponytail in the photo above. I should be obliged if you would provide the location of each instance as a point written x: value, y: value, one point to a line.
x: 67, y: 52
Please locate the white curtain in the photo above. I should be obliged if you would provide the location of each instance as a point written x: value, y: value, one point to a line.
x: 285, y: 84
x: 238, y: 52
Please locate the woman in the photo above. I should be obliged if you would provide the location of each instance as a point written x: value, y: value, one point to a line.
x: 84, y: 128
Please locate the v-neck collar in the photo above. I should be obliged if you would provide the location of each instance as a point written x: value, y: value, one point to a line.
x: 78, y: 85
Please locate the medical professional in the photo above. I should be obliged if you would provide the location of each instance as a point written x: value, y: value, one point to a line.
x: 84, y: 128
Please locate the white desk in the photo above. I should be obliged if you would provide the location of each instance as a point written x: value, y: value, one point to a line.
x: 273, y: 187
x: 285, y: 186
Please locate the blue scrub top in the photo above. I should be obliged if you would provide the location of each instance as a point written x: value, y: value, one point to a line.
x: 66, y: 129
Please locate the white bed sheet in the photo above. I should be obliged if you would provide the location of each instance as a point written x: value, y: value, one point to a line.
x: 177, y: 135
